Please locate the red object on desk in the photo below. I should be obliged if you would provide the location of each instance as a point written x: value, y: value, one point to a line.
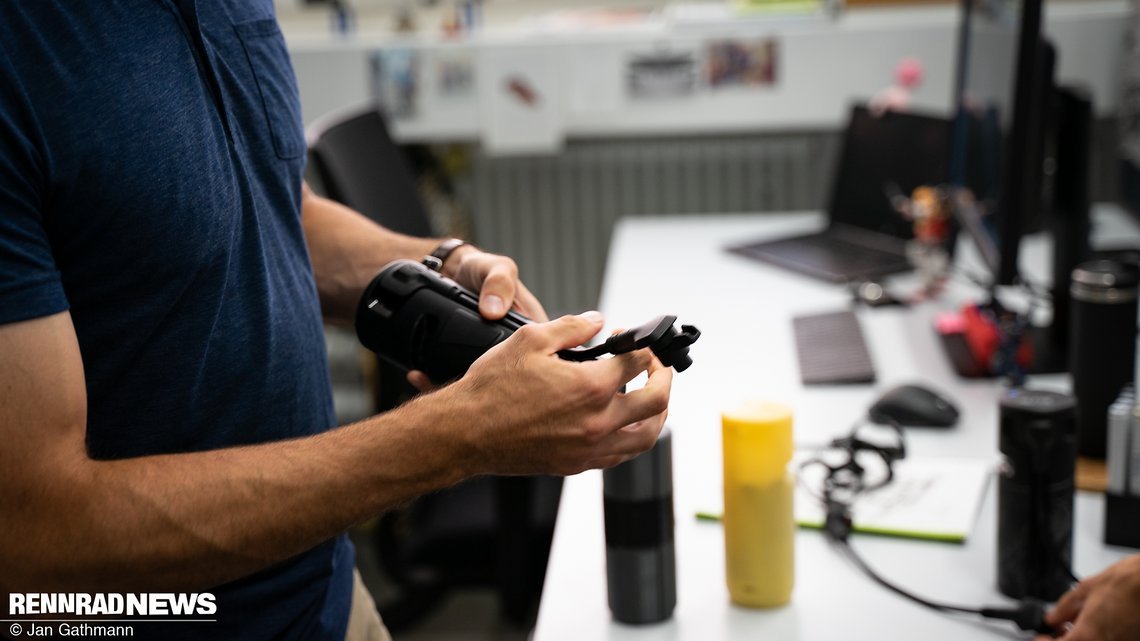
x: 980, y: 335
x: 984, y: 338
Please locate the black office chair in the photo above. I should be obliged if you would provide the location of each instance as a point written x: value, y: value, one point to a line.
x: 492, y: 532
x: 359, y: 165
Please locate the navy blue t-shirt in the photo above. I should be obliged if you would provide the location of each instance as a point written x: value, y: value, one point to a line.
x: 151, y: 154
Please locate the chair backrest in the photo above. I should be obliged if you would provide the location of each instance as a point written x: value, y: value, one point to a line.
x: 360, y: 166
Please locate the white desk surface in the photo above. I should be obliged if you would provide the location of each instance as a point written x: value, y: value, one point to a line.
x: 744, y: 309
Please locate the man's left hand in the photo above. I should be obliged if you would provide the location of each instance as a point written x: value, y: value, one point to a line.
x: 496, y: 278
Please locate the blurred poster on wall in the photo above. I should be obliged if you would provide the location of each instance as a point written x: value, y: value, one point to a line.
x: 455, y: 75
x: 520, y: 99
x: 742, y: 63
x: 395, y: 75
x: 661, y: 75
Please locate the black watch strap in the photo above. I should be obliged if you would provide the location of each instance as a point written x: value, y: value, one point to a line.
x: 444, y: 250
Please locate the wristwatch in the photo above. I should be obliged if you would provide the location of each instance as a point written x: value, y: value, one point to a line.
x: 442, y: 252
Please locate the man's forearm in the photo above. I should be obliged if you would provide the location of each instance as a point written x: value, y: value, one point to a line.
x: 191, y: 521
x: 348, y: 250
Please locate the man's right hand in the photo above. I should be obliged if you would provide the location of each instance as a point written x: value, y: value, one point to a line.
x: 532, y: 412
x: 1105, y: 607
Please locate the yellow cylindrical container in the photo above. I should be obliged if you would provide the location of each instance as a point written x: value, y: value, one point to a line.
x: 759, y: 528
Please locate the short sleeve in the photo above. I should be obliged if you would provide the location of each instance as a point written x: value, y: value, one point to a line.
x: 30, y: 284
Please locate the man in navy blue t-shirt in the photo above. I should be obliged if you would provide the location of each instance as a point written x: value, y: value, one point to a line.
x: 165, y: 413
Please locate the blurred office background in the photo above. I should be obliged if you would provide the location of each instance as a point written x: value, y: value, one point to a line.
x: 530, y: 127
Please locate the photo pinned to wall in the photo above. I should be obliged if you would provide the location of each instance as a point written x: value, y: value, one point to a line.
x: 455, y: 76
x: 520, y: 99
x: 742, y: 63
x: 395, y: 74
x: 520, y: 87
x: 662, y: 75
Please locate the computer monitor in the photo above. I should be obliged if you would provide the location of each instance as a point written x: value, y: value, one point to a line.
x: 1021, y: 152
x: 1023, y: 202
x: 983, y: 92
x: 983, y: 95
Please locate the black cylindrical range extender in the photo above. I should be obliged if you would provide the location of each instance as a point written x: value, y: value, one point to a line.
x: 1035, y: 494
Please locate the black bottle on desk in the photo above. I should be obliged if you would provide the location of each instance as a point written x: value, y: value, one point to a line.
x: 1102, y: 346
x: 1035, y: 494
x: 640, y: 559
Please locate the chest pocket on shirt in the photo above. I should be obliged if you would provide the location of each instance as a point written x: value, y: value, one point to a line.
x: 269, y: 61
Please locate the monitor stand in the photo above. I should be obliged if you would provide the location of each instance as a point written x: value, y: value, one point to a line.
x: 1050, y: 356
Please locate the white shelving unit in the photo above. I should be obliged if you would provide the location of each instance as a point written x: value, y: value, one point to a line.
x: 824, y: 63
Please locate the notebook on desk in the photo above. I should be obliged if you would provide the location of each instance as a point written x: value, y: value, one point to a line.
x: 935, y: 499
x: 866, y: 237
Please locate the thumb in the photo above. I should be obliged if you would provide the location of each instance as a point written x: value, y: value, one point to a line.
x: 570, y: 331
x: 497, y: 292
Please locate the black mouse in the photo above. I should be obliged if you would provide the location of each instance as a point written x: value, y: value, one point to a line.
x: 915, y: 405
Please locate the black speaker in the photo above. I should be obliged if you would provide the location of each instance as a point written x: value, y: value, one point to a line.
x: 1035, y: 494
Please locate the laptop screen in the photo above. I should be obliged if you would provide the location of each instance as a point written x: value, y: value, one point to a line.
x: 881, y: 155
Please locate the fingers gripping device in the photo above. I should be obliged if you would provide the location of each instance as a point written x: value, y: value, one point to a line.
x: 416, y: 319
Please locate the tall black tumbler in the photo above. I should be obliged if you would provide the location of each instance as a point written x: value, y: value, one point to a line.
x: 1102, y: 346
x: 640, y: 559
x: 1035, y: 494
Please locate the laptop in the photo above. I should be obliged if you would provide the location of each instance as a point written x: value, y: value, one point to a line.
x: 865, y: 236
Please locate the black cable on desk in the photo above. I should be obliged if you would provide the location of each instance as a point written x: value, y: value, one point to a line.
x: 1029, y: 614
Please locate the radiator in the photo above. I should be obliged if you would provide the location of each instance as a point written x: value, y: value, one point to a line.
x: 555, y: 214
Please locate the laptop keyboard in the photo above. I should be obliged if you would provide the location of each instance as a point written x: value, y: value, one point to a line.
x: 831, y: 349
x: 839, y: 254
x: 833, y: 255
